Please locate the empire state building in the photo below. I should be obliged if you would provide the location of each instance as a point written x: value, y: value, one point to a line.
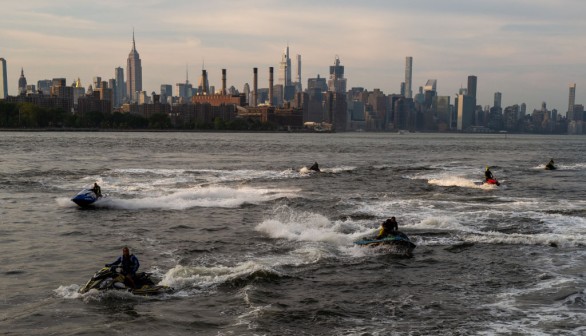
x: 133, y: 73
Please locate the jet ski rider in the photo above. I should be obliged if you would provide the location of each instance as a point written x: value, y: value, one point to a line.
x: 314, y: 167
x: 97, y: 190
x: 488, y: 174
x: 388, y: 227
x: 129, y: 265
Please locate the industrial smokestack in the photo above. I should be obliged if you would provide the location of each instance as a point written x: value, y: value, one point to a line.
x: 255, y: 87
x: 224, y: 81
x: 270, y: 86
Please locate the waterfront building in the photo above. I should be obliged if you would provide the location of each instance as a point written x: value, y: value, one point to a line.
x: 3, y: 79
x: 408, y: 76
x: 442, y: 108
x: 133, y: 73
x: 465, y: 107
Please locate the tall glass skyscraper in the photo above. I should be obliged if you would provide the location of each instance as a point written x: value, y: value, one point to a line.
x: 472, y: 80
x: 3, y: 79
x: 571, y: 101
x: 133, y: 73
x: 120, y: 86
x: 408, y: 74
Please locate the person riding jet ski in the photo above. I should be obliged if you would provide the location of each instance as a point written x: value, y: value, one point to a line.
x: 129, y: 264
x: 550, y: 165
x: 488, y: 174
x: 388, y: 227
x: 314, y: 167
x: 97, y: 190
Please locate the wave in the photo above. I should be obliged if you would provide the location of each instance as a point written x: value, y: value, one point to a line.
x: 210, y: 196
x: 204, y: 278
x: 294, y: 225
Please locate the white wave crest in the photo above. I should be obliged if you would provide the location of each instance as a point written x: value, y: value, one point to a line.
x: 211, y: 196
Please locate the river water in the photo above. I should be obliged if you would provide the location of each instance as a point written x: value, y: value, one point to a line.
x: 253, y: 244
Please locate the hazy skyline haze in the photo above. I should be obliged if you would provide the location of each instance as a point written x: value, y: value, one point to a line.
x: 530, y: 51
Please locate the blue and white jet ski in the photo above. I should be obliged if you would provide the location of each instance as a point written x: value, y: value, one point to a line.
x: 85, y: 198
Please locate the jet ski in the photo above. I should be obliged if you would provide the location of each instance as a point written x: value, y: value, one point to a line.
x: 492, y: 181
x: 550, y: 166
x: 85, y: 198
x: 397, y: 240
x: 109, y: 279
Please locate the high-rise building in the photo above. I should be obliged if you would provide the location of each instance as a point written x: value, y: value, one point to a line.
x: 298, y: 79
x: 166, y: 92
x: 571, y: 101
x: 465, y: 116
x: 133, y: 73
x: 3, y: 79
x: 120, y: 88
x: 22, y: 83
x: 97, y: 83
x: 498, y: 99
x: 337, y: 82
x: 284, y: 75
x: 317, y: 83
x: 472, y: 80
x: 408, y: 75
x: 44, y: 85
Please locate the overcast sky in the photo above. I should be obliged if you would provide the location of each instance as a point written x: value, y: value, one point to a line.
x: 529, y: 50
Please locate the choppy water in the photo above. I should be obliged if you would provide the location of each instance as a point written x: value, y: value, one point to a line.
x: 255, y: 245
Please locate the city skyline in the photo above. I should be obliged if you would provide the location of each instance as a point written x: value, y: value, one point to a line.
x: 528, y: 51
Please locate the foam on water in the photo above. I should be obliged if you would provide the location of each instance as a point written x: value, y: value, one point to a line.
x: 290, y: 224
x: 205, y: 278
x: 563, y: 316
x: 209, y: 196
x: 93, y: 295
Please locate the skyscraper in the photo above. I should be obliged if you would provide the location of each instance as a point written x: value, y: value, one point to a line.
x: 298, y: 79
x: 408, y: 73
x: 497, y: 99
x: 120, y: 86
x: 3, y: 79
x: 133, y: 72
x: 472, y: 87
x: 285, y: 69
x: 337, y: 82
x: 22, y: 83
x: 571, y: 101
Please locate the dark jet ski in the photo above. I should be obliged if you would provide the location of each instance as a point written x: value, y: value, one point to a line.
x: 85, y: 198
x: 397, y: 240
x: 550, y: 166
x: 109, y: 279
